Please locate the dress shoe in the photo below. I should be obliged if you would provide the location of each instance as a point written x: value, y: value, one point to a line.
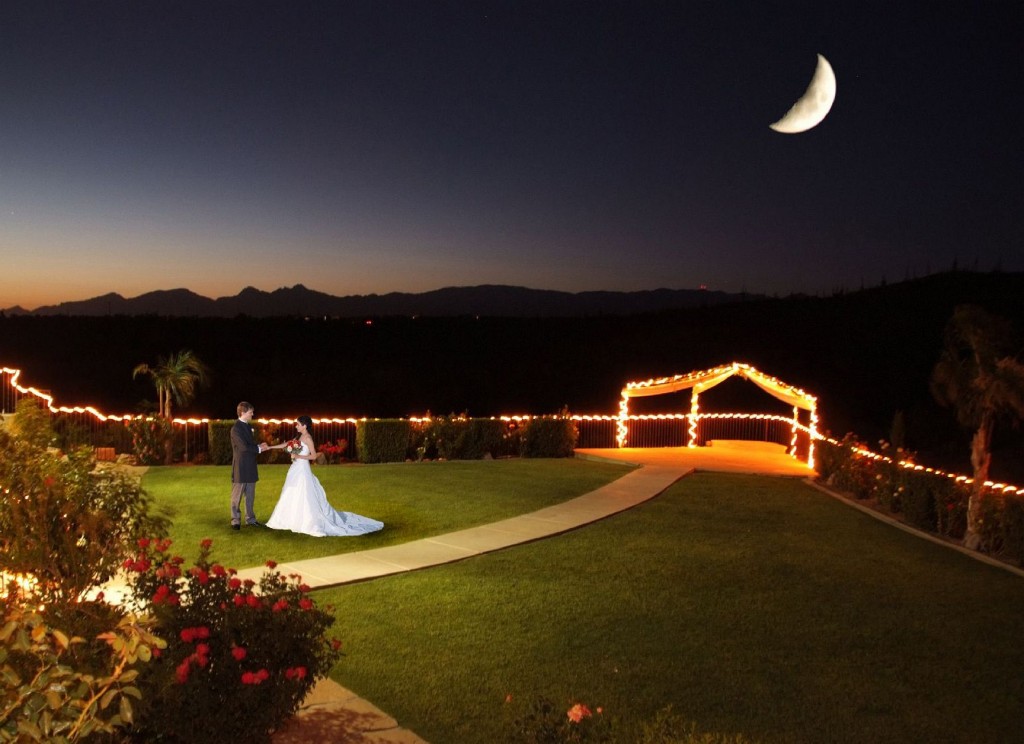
x: 236, y: 526
x: 255, y: 524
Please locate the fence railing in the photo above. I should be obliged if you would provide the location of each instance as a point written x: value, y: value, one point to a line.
x: 77, y: 426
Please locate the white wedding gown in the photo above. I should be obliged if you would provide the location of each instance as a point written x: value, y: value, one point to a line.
x: 303, y: 507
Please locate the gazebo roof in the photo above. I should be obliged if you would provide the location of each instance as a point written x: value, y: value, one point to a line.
x: 708, y: 378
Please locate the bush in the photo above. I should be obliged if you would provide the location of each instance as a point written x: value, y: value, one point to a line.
x: 64, y: 522
x: 951, y: 500
x: 251, y: 651
x: 546, y: 723
x: 548, y: 436
x: 333, y: 453
x: 45, y: 697
x: 463, y: 438
x: 918, y: 499
x: 220, y: 442
x: 31, y: 424
x: 152, y: 440
x: 383, y: 440
x: 848, y: 471
x: 1013, y: 527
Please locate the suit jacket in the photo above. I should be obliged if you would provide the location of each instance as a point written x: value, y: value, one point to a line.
x: 243, y: 454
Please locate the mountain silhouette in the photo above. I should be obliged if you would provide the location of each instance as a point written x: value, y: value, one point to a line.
x: 492, y: 300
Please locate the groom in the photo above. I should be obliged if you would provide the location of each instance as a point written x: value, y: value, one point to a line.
x: 243, y: 467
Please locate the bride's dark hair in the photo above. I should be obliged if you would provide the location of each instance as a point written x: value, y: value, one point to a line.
x: 307, y: 422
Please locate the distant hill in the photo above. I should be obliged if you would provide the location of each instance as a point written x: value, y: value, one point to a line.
x: 491, y: 300
x: 866, y: 354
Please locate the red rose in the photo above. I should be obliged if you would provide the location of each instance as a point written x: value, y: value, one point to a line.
x: 181, y: 672
x: 271, y: 564
x: 238, y: 652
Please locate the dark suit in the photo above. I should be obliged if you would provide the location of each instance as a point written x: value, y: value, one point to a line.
x: 244, y: 472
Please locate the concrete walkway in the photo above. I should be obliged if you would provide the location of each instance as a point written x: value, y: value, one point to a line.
x: 331, y: 713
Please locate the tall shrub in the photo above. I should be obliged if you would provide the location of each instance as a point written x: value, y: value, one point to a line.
x: 549, y: 436
x: 220, y: 442
x: 383, y: 440
x: 463, y: 438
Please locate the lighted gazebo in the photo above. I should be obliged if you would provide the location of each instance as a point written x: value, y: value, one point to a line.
x: 703, y: 380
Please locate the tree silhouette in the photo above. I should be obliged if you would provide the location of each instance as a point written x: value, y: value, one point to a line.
x: 979, y: 376
x: 176, y: 378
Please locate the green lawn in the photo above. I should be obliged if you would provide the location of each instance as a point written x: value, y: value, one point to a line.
x: 414, y: 500
x: 754, y: 606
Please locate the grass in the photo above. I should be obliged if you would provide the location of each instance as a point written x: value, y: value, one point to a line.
x: 414, y: 500
x: 754, y: 606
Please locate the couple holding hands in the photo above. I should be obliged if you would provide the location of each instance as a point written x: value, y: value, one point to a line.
x: 302, y: 506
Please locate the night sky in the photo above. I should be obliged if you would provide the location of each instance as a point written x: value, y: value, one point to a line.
x: 376, y: 146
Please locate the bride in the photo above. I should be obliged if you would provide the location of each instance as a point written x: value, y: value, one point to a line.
x: 303, y: 505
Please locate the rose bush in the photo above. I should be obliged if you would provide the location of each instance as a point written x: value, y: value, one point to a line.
x: 240, y: 655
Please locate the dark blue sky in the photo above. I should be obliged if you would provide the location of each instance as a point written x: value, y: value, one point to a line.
x: 378, y: 146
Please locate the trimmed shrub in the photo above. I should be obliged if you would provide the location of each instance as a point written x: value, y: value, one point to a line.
x: 462, y: 438
x: 383, y: 440
x: 220, y: 442
x: 548, y: 436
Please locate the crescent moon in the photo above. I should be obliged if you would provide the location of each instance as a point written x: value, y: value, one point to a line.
x: 813, y: 105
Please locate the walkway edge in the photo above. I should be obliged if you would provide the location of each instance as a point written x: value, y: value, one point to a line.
x: 913, y: 530
x: 633, y: 488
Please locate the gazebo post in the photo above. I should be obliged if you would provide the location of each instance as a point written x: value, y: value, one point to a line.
x: 694, y: 408
x: 792, y: 440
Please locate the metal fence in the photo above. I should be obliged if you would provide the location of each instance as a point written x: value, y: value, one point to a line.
x: 86, y: 426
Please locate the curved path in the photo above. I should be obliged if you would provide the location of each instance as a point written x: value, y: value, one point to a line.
x: 335, y: 714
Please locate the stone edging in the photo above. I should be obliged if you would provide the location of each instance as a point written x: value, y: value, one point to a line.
x: 914, y: 531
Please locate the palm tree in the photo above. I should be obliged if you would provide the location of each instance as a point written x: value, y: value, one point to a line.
x: 978, y: 375
x: 176, y: 378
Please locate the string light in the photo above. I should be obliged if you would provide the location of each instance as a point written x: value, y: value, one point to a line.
x: 706, y: 378
x: 701, y: 380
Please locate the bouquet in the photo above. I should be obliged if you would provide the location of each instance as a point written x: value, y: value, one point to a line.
x: 293, y: 447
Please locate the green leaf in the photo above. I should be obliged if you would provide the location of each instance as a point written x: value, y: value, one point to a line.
x: 29, y: 728
x: 54, y: 699
x: 126, y: 710
x: 107, y: 699
x: 61, y: 638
